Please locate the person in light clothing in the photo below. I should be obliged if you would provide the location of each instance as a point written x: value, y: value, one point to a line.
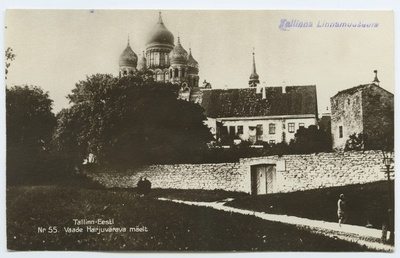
x: 341, y: 211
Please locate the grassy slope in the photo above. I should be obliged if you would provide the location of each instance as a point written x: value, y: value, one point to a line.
x: 364, y: 202
x: 171, y: 226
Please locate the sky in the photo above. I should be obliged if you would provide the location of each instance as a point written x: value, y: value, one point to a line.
x: 57, y: 48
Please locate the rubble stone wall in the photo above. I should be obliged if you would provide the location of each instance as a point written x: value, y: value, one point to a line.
x: 293, y: 173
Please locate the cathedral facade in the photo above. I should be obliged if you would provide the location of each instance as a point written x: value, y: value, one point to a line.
x: 167, y: 61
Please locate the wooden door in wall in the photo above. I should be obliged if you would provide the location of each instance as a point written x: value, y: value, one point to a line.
x: 263, y: 179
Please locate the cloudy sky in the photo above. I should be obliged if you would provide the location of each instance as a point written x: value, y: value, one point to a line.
x: 56, y: 49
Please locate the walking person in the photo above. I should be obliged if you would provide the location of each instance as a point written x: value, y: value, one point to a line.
x: 341, y: 210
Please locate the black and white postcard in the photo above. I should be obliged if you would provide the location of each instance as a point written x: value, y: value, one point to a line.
x: 199, y: 130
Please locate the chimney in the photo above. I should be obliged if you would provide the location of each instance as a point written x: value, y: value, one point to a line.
x: 283, y: 87
x: 264, y: 93
x: 376, y: 80
x: 258, y: 89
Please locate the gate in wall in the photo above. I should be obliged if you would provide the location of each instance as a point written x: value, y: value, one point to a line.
x: 263, y: 179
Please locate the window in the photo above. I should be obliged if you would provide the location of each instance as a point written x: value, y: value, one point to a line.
x: 231, y: 130
x: 183, y: 73
x: 151, y: 59
x: 291, y: 127
x: 162, y: 59
x: 259, y: 132
x: 224, y: 131
x: 176, y: 72
x: 340, y: 131
x: 156, y: 58
x: 271, y: 141
x: 166, y: 76
x: 240, y: 129
x: 271, y: 128
x: 159, y: 76
x: 301, y: 125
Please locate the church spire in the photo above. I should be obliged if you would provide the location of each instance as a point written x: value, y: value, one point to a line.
x: 254, y: 76
x: 160, y: 18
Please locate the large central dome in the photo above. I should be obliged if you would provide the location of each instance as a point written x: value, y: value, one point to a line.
x: 160, y: 35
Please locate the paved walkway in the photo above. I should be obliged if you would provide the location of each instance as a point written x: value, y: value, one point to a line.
x: 361, y: 235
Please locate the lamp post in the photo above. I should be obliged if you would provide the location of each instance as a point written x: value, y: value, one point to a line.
x: 387, y: 161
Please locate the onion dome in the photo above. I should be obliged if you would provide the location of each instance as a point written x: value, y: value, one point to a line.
x: 178, y: 55
x: 160, y: 35
x: 142, y: 64
x: 191, y: 61
x: 128, y: 57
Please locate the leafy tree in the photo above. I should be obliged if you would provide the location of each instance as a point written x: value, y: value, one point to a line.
x: 310, y: 140
x: 131, y: 120
x: 10, y: 56
x: 355, y: 142
x: 30, y: 124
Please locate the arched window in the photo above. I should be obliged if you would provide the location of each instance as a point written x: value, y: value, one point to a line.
x: 131, y: 72
x: 176, y: 72
x: 156, y: 59
x: 125, y: 72
x: 166, y: 76
x: 162, y: 59
x: 151, y: 59
x: 159, y: 76
x: 170, y: 73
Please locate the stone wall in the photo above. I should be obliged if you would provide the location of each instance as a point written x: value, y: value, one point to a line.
x: 293, y: 173
x: 226, y: 176
x: 311, y: 171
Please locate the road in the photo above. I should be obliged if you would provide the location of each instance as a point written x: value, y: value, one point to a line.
x: 361, y: 235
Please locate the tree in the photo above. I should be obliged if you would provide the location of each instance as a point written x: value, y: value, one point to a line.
x: 131, y: 121
x: 10, y: 56
x: 30, y: 124
x: 355, y: 142
x: 310, y: 140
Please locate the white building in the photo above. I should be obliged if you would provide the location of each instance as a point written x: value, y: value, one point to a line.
x: 260, y: 114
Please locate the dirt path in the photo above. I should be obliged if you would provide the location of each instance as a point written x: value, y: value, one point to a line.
x: 360, y: 235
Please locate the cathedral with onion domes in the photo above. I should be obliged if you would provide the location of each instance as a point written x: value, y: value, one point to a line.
x: 167, y: 61
x: 254, y: 113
